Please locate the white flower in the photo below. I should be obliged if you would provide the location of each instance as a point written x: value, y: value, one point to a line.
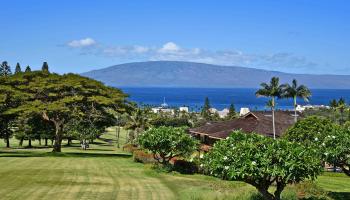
x: 225, y: 158
x: 201, y: 156
x: 316, y: 139
x: 231, y: 145
x: 323, y: 144
x: 326, y: 154
x: 328, y: 136
x: 253, y: 163
x: 201, y: 165
x: 227, y: 138
x: 226, y: 167
x: 191, y: 159
x: 333, y: 136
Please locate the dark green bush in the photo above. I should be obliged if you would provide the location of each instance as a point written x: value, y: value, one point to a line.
x: 185, y: 167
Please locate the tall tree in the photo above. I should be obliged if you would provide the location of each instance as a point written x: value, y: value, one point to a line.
x: 28, y: 69
x: 45, y: 67
x: 341, y: 106
x: 55, y: 97
x: 5, y: 69
x: 295, y: 91
x: 205, y: 113
x: 232, y: 112
x: 138, y: 122
x: 271, y: 90
x: 18, y: 68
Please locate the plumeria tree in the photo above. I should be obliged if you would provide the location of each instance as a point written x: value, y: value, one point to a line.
x: 331, y: 141
x: 167, y: 142
x: 261, y: 162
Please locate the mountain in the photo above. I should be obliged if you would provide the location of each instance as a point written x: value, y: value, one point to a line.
x: 189, y: 74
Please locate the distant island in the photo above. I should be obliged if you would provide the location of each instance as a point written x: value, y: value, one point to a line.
x: 199, y: 75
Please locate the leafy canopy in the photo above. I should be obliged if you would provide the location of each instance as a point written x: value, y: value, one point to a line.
x: 167, y: 142
x: 331, y: 141
x: 261, y: 161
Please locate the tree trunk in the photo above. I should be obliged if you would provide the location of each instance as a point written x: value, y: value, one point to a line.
x: 21, y: 142
x: 279, y: 189
x: 58, y: 138
x: 265, y: 194
x: 39, y: 141
x: 273, y: 118
x: 45, y: 141
x: 69, y: 142
x: 7, y: 142
x: 118, y: 134
x: 295, y: 110
x: 345, y: 170
x: 58, y: 131
x: 30, y: 143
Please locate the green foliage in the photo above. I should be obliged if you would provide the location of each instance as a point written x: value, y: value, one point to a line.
x: 232, y: 112
x: 167, y: 142
x: 271, y: 90
x: 45, y: 67
x: 205, y: 113
x: 331, y: 141
x: 18, y: 68
x: 58, y: 97
x: 164, y: 119
x: 261, y: 162
x: 309, y: 130
x: 28, y: 69
x: 5, y: 69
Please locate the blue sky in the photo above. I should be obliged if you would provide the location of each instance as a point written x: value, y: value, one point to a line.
x: 299, y: 36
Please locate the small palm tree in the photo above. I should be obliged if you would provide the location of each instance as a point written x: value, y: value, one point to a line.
x: 294, y: 91
x: 138, y: 121
x: 271, y: 90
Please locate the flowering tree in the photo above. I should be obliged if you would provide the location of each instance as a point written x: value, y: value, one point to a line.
x: 167, y: 142
x: 261, y: 161
x: 331, y: 141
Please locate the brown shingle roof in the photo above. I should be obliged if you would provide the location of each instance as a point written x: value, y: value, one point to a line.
x: 258, y: 122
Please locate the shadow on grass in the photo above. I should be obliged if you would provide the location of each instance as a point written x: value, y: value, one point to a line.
x: 63, y: 154
x: 339, y: 195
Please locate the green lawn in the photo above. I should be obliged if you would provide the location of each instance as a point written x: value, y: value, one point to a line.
x: 106, y: 172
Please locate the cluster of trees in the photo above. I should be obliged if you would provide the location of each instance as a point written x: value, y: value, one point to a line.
x: 208, y: 115
x: 44, y: 105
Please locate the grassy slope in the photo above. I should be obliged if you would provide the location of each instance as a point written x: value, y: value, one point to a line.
x: 105, y: 172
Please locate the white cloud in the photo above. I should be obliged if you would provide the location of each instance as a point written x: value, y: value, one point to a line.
x: 169, y: 47
x: 140, y: 49
x: 86, y: 42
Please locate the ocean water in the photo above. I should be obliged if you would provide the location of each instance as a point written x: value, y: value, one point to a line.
x: 221, y: 98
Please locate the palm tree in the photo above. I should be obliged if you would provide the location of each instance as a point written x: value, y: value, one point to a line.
x: 294, y: 91
x: 272, y: 90
x: 138, y: 121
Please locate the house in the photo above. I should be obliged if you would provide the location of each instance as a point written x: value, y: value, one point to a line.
x: 222, y: 113
x: 259, y: 122
x: 183, y: 109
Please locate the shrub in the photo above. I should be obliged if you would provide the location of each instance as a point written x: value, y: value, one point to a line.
x: 262, y: 161
x: 167, y: 142
x: 130, y: 148
x: 185, y: 167
x: 143, y: 157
